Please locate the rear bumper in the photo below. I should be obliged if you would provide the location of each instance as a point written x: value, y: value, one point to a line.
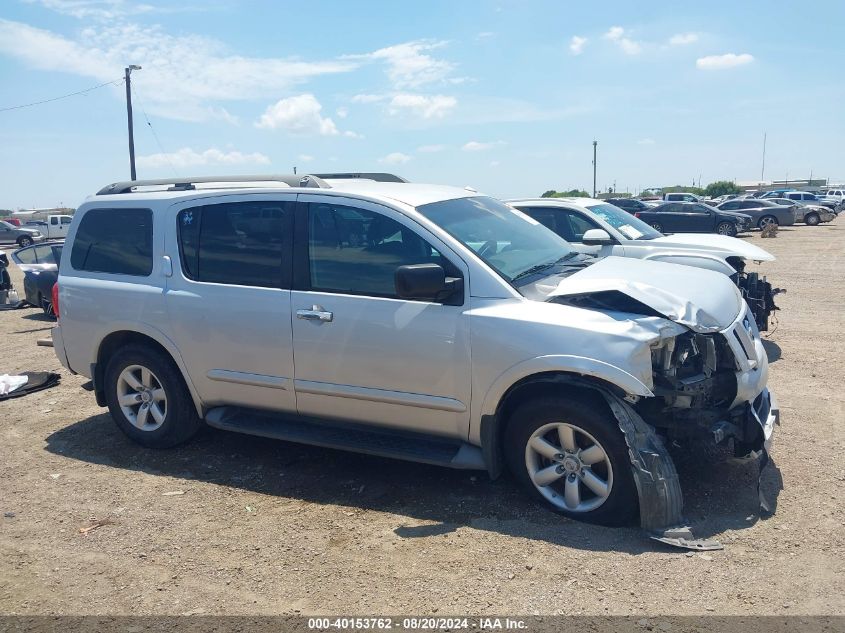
x: 59, y: 347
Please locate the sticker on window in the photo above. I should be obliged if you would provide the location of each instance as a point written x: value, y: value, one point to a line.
x: 629, y: 231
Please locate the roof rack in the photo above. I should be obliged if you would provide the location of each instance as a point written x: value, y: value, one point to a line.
x: 188, y: 183
x: 374, y: 175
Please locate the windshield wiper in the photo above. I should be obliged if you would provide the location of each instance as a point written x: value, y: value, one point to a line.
x: 541, y: 267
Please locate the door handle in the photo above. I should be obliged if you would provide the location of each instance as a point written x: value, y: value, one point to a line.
x: 316, y: 313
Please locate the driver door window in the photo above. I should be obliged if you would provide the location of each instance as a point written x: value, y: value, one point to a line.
x: 577, y: 225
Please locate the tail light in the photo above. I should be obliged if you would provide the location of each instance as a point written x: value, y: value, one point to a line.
x: 55, y: 297
x: 637, y: 214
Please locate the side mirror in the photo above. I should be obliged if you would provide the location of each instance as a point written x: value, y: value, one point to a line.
x: 596, y: 237
x: 426, y: 282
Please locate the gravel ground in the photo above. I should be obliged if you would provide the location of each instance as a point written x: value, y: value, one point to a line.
x: 239, y: 525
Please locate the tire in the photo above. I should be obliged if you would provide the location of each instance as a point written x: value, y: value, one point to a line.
x: 46, y: 306
x: 590, y: 426
x: 656, y: 226
x: 767, y: 220
x: 170, y: 417
x: 25, y: 241
x: 812, y: 219
x: 726, y: 228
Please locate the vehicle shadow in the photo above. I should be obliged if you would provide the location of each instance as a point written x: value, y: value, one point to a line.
x: 772, y: 350
x: 38, y: 316
x: 445, y: 499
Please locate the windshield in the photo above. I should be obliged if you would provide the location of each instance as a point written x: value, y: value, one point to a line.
x: 629, y: 226
x: 509, y: 241
x: 6, y: 225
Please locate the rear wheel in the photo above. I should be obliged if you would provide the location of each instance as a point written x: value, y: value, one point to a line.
x: 657, y: 226
x: 46, y: 306
x: 726, y: 228
x: 812, y: 219
x: 767, y: 220
x: 572, y: 456
x: 148, y: 399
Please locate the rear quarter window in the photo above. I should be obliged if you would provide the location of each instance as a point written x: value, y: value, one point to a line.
x: 117, y: 241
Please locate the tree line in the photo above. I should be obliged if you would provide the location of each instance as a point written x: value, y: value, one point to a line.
x: 714, y: 189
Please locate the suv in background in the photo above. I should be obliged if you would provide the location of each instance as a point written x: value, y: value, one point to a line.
x: 806, y: 198
x: 412, y: 321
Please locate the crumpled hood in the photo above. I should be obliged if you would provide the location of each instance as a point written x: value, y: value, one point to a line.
x: 702, y: 300
x: 713, y: 242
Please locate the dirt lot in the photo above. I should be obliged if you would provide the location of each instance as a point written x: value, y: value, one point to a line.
x: 264, y: 527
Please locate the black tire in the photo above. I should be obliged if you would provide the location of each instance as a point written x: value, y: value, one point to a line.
x: 46, y: 306
x: 767, y: 219
x: 622, y: 503
x: 25, y: 241
x: 812, y: 219
x: 726, y: 228
x: 656, y: 226
x: 180, y: 423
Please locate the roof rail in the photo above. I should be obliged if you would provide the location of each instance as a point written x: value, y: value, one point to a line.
x: 189, y: 183
x: 374, y: 175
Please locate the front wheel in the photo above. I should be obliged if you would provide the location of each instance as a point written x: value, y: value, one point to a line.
x: 25, y: 241
x: 657, y: 226
x: 812, y: 219
x: 572, y: 456
x: 767, y: 220
x: 726, y: 228
x: 148, y: 398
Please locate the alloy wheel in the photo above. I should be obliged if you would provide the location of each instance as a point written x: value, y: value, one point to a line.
x: 569, y: 467
x: 141, y: 397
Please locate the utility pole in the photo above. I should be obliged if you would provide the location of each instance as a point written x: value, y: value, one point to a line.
x: 595, y: 143
x: 127, y: 72
x: 763, y: 168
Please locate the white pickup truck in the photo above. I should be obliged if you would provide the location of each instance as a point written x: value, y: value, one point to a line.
x: 53, y: 228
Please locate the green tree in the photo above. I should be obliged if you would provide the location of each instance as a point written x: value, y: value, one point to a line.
x: 720, y: 188
x: 572, y: 193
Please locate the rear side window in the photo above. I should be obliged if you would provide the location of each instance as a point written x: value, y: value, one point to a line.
x: 118, y: 241
x: 239, y: 243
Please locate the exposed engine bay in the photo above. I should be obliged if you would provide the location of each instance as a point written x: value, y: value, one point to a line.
x: 757, y: 292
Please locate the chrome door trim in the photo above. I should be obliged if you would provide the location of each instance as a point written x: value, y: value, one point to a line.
x: 243, y: 378
x: 403, y: 398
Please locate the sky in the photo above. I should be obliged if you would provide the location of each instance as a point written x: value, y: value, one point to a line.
x: 505, y: 96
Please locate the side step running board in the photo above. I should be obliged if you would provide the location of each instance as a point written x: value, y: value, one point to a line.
x: 383, y: 442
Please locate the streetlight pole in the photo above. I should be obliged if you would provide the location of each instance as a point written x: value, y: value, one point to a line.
x: 127, y: 72
x: 595, y: 143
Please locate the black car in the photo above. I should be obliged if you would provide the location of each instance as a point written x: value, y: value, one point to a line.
x: 630, y: 205
x: 40, y: 266
x: 694, y: 217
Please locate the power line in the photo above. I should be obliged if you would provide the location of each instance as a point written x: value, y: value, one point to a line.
x: 152, y: 129
x: 116, y: 82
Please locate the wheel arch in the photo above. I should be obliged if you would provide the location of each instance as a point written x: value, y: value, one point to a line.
x: 557, y: 382
x: 118, y: 339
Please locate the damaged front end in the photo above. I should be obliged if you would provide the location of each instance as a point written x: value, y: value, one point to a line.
x: 757, y: 292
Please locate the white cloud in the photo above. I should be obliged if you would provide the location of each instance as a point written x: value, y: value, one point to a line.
x: 477, y: 146
x: 367, y: 98
x: 628, y: 46
x: 720, y: 62
x: 299, y: 115
x: 430, y: 149
x: 187, y: 157
x: 305, y: 158
x: 409, y: 65
x: 427, y: 107
x: 97, y: 9
x: 577, y: 44
x: 484, y: 35
x: 341, y: 113
x: 681, y: 39
x: 394, y: 158
x: 182, y: 77
x: 645, y: 141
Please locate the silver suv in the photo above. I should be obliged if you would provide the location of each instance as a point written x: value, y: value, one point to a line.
x: 412, y: 321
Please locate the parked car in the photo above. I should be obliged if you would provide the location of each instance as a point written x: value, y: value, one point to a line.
x: 453, y: 330
x: 596, y: 228
x: 13, y: 221
x: 763, y: 212
x: 808, y: 214
x: 10, y: 234
x: 837, y: 195
x: 631, y: 205
x: 681, y: 196
x: 40, y: 267
x: 808, y: 199
x: 694, y: 217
